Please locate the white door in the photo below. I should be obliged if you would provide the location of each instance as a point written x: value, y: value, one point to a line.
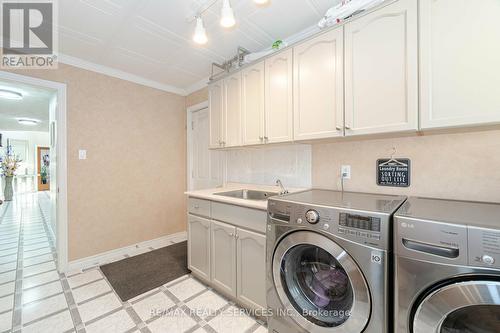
x: 319, y: 87
x: 216, y: 104
x: 232, y: 111
x: 199, y: 246
x: 459, y: 59
x: 251, y: 268
x: 223, y: 257
x: 381, y: 71
x: 206, y: 164
x: 279, y: 97
x: 252, y: 87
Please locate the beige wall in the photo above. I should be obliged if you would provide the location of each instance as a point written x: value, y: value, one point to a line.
x: 197, y: 97
x: 464, y: 166
x: 130, y: 188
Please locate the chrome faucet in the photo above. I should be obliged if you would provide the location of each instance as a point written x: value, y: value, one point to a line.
x: 283, y: 189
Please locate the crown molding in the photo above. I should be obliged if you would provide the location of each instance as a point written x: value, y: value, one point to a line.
x: 197, y: 86
x: 84, y: 64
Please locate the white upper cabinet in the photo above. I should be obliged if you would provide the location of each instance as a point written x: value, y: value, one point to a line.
x: 279, y: 97
x: 232, y: 110
x: 460, y: 55
x: 253, y: 104
x: 319, y: 87
x: 381, y: 70
x: 215, y: 97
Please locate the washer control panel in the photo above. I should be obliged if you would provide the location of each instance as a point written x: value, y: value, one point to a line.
x: 359, y: 227
x: 312, y: 216
x: 484, y: 247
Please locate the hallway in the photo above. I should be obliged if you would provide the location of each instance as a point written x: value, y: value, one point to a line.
x: 35, y: 298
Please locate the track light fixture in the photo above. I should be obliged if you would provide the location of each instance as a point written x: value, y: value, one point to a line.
x: 200, y: 34
x: 227, y: 19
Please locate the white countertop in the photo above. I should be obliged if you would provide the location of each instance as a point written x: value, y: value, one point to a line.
x: 209, y: 194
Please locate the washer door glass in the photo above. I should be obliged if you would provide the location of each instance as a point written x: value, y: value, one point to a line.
x: 473, y: 319
x: 317, y: 285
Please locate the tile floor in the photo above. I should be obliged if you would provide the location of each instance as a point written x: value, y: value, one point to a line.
x: 34, y: 297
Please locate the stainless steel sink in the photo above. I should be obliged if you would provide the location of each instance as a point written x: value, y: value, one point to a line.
x: 248, y: 194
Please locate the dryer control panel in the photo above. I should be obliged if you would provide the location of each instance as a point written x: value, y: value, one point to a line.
x: 484, y: 247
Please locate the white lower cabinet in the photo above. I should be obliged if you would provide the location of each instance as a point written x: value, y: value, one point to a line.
x: 230, y: 257
x: 199, y: 246
x: 251, y: 268
x: 223, y: 257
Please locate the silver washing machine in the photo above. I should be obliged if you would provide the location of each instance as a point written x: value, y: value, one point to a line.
x: 447, y: 267
x: 328, y: 262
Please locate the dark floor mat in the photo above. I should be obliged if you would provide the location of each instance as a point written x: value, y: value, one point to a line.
x: 136, y: 275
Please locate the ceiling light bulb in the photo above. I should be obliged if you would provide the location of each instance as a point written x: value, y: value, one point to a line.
x: 200, y: 34
x: 261, y: 2
x: 28, y: 122
x: 9, y: 94
x: 227, y: 19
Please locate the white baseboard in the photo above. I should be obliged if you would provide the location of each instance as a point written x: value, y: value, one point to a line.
x: 118, y: 254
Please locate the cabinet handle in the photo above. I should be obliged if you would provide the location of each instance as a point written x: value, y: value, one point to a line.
x: 196, y: 207
x: 261, y: 138
x: 231, y: 234
x: 338, y: 128
x: 347, y: 127
x: 266, y: 138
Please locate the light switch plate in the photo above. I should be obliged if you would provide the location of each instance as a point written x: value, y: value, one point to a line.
x: 346, y: 172
x: 82, y: 154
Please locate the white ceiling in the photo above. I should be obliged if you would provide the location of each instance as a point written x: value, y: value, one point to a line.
x: 151, y: 39
x: 34, y: 105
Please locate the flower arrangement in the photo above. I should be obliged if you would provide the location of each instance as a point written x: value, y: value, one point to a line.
x: 9, y: 164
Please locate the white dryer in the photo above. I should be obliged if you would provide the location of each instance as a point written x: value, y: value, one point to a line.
x: 447, y: 267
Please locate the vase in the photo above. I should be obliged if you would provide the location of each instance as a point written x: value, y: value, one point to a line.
x: 8, y: 190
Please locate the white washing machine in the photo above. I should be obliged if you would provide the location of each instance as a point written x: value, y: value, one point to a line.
x: 328, y: 262
x: 447, y: 267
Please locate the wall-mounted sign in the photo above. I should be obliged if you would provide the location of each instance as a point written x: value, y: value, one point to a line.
x: 393, y: 172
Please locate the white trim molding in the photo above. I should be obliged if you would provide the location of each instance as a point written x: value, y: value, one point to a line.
x: 84, y: 64
x: 198, y: 107
x: 118, y: 254
x: 197, y: 86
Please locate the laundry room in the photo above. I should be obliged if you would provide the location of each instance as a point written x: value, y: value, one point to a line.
x: 250, y: 166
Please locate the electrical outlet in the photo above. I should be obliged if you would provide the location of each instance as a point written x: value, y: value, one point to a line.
x: 346, y: 171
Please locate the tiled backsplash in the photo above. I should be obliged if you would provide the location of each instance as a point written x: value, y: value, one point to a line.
x: 290, y: 163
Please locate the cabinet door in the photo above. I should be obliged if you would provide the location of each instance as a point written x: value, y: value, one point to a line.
x: 381, y: 70
x: 251, y: 268
x: 253, y: 104
x: 319, y: 87
x: 279, y: 97
x: 215, y: 97
x: 232, y: 111
x: 459, y: 53
x: 199, y: 246
x: 223, y: 257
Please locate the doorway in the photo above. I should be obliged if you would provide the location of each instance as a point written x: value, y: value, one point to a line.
x: 45, y: 159
x: 205, y: 166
